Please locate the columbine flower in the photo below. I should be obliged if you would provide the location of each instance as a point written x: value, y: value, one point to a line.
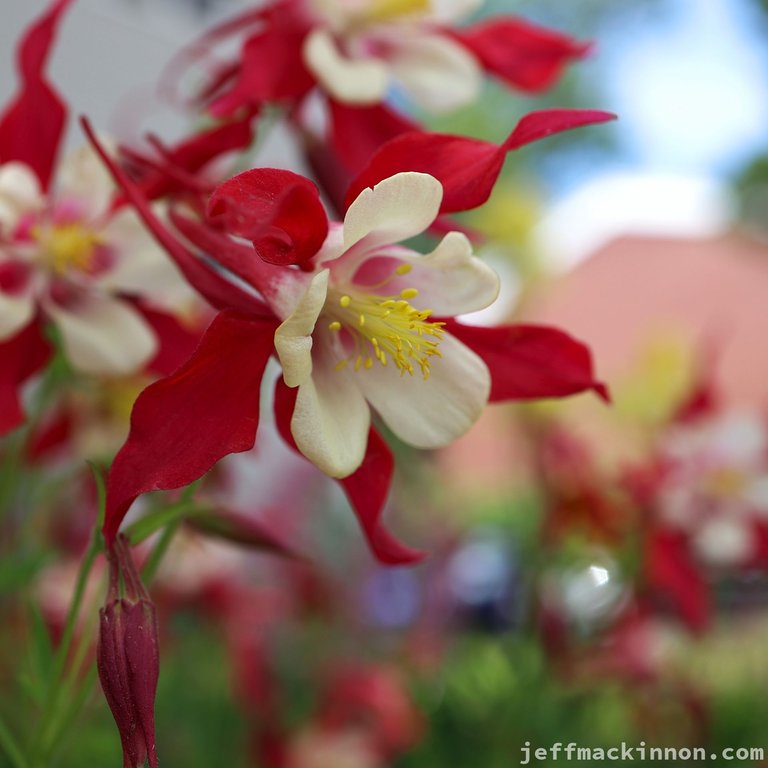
x: 358, y: 49
x: 357, y: 321
x: 67, y: 255
x: 365, y: 330
x: 127, y: 657
x: 714, y: 487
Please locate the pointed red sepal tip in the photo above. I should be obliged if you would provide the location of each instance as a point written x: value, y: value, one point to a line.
x: 279, y: 211
x: 530, y: 362
x: 467, y: 168
x: 527, y: 56
x: 183, y: 424
x: 32, y: 125
x: 128, y: 658
x: 366, y: 489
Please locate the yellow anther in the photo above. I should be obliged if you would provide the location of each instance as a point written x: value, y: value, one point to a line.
x: 409, y: 293
x: 67, y: 246
x: 403, y: 269
x: 341, y: 365
x: 385, y: 326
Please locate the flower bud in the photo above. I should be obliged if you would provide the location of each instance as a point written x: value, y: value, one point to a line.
x: 127, y: 657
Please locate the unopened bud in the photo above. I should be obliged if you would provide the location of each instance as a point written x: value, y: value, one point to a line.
x: 128, y: 659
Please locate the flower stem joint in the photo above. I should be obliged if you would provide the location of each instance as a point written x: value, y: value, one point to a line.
x: 127, y: 657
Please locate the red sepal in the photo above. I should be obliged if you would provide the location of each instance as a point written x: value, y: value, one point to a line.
x: 183, y: 424
x: 215, y: 289
x: 531, y: 361
x: 366, y: 489
x: 31, y: 127
x: 176, y: 341
x: 21, y: 356
x: 357, y: 132
x: 278, y: 211
x: 157, y: 178
x: 271, y: 64
x: 671, y: 575
x: 525, y: 55
x: 467, y: 168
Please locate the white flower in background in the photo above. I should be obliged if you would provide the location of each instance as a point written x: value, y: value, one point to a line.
x: 360, y: 47
x: 360, y: 330
x: 70, y: 257
x: 716, y: 485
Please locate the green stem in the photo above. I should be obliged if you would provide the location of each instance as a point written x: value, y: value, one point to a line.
x: 12, y: 750
x: 51, y: 704
x: 149, y: 570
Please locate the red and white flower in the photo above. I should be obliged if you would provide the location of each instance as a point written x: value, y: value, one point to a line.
x: 362, y: 333
x: 68, y: 255
x: 359, y: 48
x: 358, y: 322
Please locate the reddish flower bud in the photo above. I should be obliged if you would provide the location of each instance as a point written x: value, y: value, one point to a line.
x: 127, y: 657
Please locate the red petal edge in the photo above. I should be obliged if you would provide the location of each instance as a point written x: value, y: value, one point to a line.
x: 467, y: 168
x: 277, y: 210
x: 183, y: 424
x: 525, y: 55
x: 531, y: 361
x: 31, y: 127
x: 366, y: 489
x: 215, y: 289
x: 21, y: 357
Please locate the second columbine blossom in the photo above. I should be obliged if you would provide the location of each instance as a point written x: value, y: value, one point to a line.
x: 68, y: 255
x: 366, y: 330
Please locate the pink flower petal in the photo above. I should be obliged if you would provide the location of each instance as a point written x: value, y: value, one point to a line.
x: 182, y: 425
x: 467, y: 168
x: 529, y: 362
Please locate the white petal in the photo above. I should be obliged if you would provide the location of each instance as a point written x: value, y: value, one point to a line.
x: 450, y: 280
x: 756, y: 495
x: 451, y: 10
x: 431, y: 413
x: 331, y: 420
x: 141, y: 266
x: 293, y: 338
x: 15, y: 313
x: 19, y: 192
x: 82, y: 177
x: 437, y: 73
x: 397, y: 208
x: 724, y: 541
x: 103, y: 335
x: 351, y: 81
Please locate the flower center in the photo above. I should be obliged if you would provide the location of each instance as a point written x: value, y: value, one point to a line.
x: 67, y: 246
x: 726, y: 482
x: 384, y: 328
x: 387, y: 10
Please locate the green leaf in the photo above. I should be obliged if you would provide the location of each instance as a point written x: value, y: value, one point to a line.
x: 154, y: 521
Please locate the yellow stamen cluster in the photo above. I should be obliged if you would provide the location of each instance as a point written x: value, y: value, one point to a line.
x: 726, y: 482
x: 384, y: 328
x: 67, y: 246
x: 388, y: 10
